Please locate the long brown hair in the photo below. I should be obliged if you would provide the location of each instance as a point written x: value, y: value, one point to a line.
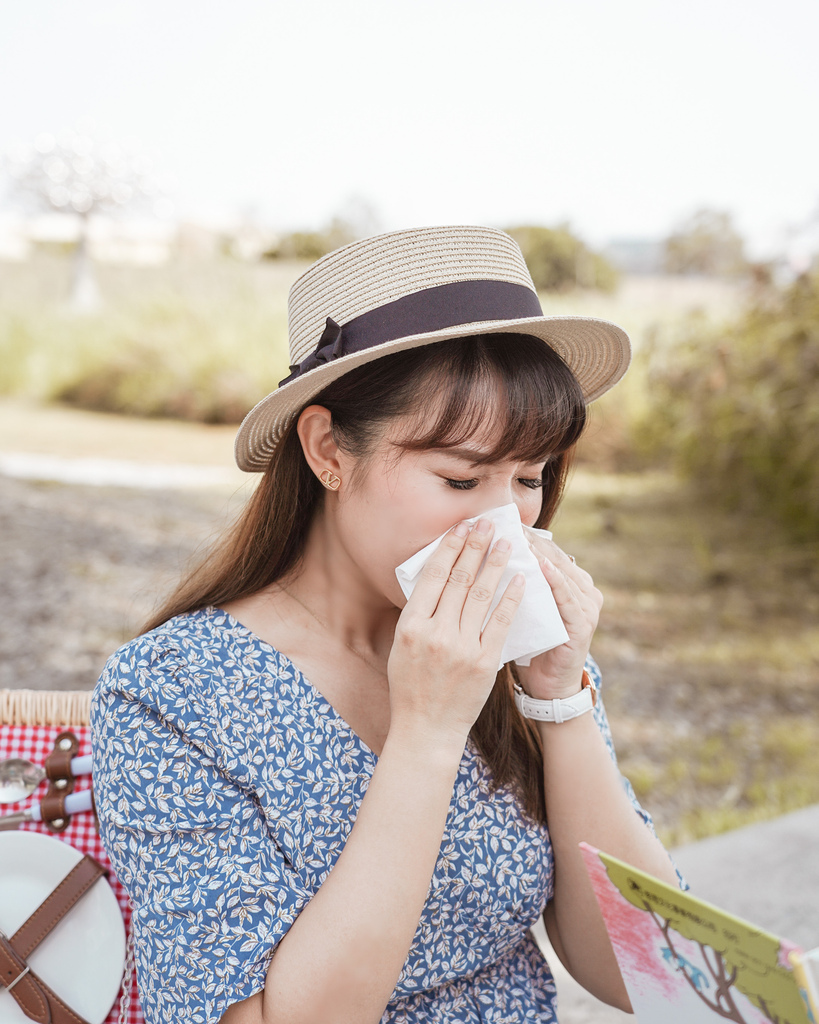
x: 511, y: 389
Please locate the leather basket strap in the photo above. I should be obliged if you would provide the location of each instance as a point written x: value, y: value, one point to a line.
x: 55, y: 906
x: 16, y: 976
x: 54, y: 814
x: 60, y: 781
x: 37, y: 1001
x: 58, y: 766
x: 58, y: 763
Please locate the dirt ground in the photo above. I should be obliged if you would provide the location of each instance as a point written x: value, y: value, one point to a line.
x: 709, y: 641
x: 81, y: 567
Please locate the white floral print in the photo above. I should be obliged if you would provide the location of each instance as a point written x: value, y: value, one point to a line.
x: 226, y: 787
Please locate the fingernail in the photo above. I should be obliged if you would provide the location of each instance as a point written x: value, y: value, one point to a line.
x: 503, y: 545
x: 461, y: 530
x: 517, y: 579
x: 484, y: 526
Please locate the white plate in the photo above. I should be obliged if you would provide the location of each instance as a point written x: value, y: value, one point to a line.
x: 83, y: 956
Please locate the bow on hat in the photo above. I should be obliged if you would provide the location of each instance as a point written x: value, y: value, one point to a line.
x: 330, y: 346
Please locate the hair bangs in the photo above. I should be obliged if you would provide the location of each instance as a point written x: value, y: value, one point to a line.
x: 506, y: 397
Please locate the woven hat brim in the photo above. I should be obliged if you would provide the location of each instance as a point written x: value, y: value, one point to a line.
x: 598, y: 353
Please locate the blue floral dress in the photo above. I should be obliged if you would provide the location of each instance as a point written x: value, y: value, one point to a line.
x: 226, y: 787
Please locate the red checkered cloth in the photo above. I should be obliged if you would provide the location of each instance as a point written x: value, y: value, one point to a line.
x: 35, y: 743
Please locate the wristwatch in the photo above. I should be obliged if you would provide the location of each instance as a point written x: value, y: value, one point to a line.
x: 558, y: 710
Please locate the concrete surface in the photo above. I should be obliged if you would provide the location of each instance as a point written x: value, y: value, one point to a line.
x: 767, y: 873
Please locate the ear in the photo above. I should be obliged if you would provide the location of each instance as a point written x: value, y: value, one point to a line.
x: 315, y: 430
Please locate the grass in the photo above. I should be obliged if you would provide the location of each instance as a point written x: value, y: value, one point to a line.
x: 731, y: 778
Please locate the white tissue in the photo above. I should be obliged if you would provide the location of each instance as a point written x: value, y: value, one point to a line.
x: 537, y: 626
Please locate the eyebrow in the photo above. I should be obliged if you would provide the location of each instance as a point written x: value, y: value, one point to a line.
x: 474, y: 456
x: 471, y: 455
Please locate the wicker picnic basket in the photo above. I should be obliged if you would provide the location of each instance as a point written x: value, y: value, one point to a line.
x: 31, y: 721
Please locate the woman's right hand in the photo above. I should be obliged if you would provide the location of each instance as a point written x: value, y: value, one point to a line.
x: 442, y: 666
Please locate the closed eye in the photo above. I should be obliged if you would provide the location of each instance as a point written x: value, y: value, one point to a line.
x: 467, y: 485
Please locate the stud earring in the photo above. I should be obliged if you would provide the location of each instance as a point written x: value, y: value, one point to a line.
x: 330, y: 480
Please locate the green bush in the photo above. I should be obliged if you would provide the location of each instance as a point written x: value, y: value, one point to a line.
x: 312, y: 245
x: 559, y: 261
x: 198, y: 342
x: 738, y: 407
x: 300, y: 245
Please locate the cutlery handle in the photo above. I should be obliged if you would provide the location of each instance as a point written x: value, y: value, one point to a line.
x: 10, y: 821
x: 81, y: 765
x: 74, y: 804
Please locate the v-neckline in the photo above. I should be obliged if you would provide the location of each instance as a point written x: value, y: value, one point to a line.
x: 309, y: 687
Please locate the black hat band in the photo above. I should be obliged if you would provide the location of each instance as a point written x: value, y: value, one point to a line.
x: 423, y: 312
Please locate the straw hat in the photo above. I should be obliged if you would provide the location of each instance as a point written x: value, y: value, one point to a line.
x: 409, y: 288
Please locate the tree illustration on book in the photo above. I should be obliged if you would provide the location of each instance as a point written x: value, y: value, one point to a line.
x: 686, y: 961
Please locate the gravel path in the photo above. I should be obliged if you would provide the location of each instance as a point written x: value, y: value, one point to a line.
x: 81, y: 569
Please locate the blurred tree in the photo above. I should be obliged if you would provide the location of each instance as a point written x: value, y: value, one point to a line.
x: 706, y: 243
x: 74, y: 173
x: 311, y: 245
x: 559, y: 261
x: 357, y: 219
x: 299, y: 245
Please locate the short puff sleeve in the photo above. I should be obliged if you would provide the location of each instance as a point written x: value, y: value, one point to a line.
x: 212, y: 892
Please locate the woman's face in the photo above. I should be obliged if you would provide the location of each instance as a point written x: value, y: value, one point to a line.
x: 404, y: 500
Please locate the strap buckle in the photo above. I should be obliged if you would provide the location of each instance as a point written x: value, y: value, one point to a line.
x: 19, y: 977
x: 4, y: 938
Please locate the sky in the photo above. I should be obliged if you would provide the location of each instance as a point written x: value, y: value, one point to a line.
x: 620, y: 117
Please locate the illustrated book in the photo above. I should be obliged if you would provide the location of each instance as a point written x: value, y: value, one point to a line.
x: 685, y: 961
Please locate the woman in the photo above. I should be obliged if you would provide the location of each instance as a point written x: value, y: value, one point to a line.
x: 321, y: 796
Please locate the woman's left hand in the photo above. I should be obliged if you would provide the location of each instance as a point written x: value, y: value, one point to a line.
x: 559, y: 673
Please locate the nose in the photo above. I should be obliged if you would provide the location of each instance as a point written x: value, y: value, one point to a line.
x: 502, y: 494
x: 528, y: 502
x: 504, y: 488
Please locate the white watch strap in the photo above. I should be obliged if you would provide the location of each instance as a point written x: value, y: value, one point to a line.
x: 555, y: 710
